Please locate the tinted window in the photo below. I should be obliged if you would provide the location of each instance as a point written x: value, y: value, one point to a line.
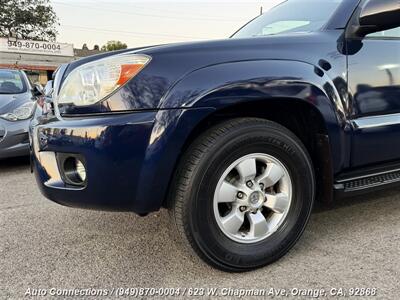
x: 11, y: 82
x: 291, y: 16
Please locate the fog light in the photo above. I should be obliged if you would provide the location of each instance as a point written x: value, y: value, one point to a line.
x: 74, y: 171
x: 80, y: 169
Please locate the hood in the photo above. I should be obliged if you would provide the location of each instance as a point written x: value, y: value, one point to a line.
x: 190, y: 56
x: 10, y: 102
x: 281, y: 46
x: 172, y: 63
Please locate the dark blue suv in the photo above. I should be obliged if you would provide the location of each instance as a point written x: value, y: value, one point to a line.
x: 236, y: 137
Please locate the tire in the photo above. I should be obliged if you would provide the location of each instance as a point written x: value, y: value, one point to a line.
x: 200, y: 207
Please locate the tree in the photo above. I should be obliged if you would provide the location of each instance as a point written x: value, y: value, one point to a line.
x: 113, y: 46
x: 85, y: 47
x: 28, y: 19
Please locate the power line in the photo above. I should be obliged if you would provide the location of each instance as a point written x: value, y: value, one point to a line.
x: 146, y: 15
x: 133, y: 32
x: 159, y: 9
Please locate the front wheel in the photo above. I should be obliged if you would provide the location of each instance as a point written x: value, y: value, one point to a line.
x: 243, y: 194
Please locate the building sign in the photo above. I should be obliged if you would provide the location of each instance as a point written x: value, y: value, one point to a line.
x: 36, y: 47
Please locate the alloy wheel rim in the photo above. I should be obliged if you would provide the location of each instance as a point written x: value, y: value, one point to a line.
x: 253, y: 198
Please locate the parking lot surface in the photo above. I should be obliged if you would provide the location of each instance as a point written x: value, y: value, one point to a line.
x: 354, y: 244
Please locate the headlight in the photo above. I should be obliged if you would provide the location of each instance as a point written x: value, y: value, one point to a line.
x: 92, y: 82
x: 23, y: 112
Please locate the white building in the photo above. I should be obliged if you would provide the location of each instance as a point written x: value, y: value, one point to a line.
x: 38, y: 59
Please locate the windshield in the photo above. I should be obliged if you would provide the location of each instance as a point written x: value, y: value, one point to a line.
x: 11, y: 82
x: 291, y: 16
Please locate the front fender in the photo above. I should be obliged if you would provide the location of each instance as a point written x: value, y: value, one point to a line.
x: 224, y: 85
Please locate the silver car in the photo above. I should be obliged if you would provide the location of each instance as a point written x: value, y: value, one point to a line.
x: 17, y: 107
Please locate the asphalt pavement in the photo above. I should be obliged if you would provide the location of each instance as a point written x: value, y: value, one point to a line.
x: 351, y: 245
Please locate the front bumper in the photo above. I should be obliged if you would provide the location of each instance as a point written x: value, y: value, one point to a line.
x: 113, y: 149
x: 130, y: 158
x: 14, y: 139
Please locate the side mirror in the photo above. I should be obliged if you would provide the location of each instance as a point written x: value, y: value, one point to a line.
x: 378, y: 15
x: 37, y: 90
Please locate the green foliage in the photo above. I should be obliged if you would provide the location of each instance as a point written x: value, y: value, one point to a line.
x: 113, y: 46
x: 28, y: 19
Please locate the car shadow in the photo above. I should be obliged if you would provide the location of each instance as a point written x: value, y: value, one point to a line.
x: 8, y: 164
x: 320, y: 207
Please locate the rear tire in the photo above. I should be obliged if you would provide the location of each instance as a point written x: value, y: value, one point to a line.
x: 242, y: 194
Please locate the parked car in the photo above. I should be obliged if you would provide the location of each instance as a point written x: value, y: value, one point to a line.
x: 235, y: 137
x: 17, y: 106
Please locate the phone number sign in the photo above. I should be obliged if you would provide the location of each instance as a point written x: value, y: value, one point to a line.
x: 36, y: 47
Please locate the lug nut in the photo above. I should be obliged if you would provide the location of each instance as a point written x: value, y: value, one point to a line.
x: 240, y: 195
x: 249, y: 184
x: 243, y: 208
x: 262, y: 186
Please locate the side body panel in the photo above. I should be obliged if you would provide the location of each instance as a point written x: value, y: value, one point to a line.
x: 374, y: 82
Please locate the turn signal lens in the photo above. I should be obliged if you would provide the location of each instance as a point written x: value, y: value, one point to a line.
x: 128, y: 72
x: 92, y: 82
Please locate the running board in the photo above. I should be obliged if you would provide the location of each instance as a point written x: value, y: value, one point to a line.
x: 368, y: 181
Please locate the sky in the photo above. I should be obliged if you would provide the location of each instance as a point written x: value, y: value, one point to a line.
x: 151, y: 22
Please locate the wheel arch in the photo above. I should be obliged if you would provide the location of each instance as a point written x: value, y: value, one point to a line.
x: 246, y: 83
x: 295, y: 115
x: 294, y: 94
